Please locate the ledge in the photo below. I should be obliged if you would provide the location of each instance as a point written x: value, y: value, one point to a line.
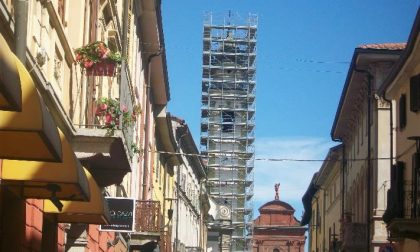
x: 400, y: 228
x: 106, y: 157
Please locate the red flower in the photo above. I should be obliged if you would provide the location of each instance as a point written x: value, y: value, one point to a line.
x: 108, y: 119
x: 88, y: 64
x: 98, y: 112
x: 79, y: 57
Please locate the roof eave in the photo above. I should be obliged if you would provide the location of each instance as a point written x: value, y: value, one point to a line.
x: 412, y: 38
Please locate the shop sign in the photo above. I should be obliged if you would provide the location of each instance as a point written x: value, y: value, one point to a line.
x: 121, y: 211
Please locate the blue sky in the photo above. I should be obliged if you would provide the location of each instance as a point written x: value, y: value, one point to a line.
x: 304, y: 50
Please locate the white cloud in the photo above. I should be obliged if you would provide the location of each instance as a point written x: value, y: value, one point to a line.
x: 293, y: 176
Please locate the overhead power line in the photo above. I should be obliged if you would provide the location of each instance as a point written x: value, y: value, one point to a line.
x: 269, y: 159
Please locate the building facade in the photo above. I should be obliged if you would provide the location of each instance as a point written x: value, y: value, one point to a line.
x: 362, y: 124
x: 189, y: 233
x: 402, y: 89
x: 323, y: 204
x: 227, y: 122
x: 276, y: 229
x: 82, y: 124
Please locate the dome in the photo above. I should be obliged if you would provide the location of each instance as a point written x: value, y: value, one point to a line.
x: 276, y: 206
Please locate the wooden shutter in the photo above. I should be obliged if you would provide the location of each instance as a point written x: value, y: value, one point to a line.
x: 399, y: 189
x: 395, y: 195
x: 415, y: 93
x: 416, y: 184
x: 402, y: 112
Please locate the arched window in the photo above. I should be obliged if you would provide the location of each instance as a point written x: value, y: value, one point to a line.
x: 276, y: 250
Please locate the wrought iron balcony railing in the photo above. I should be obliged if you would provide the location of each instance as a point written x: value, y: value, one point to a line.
x: 147, y: 218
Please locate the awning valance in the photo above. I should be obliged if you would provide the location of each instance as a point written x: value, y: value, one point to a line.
x: 95, y: 211
x: 30, y: 134
x: 10, y: 93
x: 36, y: 179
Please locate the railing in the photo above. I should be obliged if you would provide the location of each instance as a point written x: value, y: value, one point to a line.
x: 147, y: 216
x: 97, y: 118
x: 165, y: 241
x: 239, y: 121
x: 235, y: 134
x: 126, y: 97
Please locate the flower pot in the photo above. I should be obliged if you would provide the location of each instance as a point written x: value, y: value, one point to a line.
x: 101, y: 69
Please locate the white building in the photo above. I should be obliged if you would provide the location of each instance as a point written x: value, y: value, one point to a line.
x: 188, y: 232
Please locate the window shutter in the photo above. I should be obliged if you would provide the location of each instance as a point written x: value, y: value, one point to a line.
x: 395, y: 200
x: 415, y: 93
x: 416, y: 184
x: 399, y: 189
x: 402, y: 112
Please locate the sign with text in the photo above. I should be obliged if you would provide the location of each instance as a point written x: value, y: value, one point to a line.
x: 122, y: 212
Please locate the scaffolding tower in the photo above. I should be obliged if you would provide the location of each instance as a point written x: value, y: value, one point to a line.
x: 228, y: 118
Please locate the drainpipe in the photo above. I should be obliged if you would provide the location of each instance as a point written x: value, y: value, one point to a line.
x: 316, y: 225
x: 12, y: 234
x: 323, y: 218
x: 124, y: 40
x: 391, y: 133
x: 369, y: 167
x: 343, y: 178
x: 21, y: 28
x: 147, y: 122
x: 165, y: 167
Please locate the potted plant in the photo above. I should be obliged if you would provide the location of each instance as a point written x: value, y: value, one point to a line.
x: 97, y: 59
x: 110, y: 111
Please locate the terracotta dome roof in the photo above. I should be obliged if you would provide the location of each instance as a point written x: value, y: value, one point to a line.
x: 276, y: 206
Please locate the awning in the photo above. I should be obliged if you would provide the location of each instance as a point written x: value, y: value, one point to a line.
x: 30, y: 134
x: 95, y: 211
x: 10, y: 94
x: 42, y: 180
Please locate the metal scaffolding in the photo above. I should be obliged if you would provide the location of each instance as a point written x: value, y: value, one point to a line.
x: 228, y: 117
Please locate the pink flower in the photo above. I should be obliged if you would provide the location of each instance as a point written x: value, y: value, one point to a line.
x: 106, y: 53
x: 103, y: 106
x: 88, y: 64
x: 124, y: 108
x: 108, y: 119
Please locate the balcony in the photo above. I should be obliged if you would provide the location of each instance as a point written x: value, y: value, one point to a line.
x: 354, y: 237
x: 106, y: 150
x: 404, y: 223
x: 147, y: 222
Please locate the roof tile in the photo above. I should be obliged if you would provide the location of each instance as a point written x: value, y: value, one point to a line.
x: 384, y: 46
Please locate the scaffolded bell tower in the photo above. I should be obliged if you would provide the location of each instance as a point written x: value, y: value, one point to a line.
x: 228, y: 121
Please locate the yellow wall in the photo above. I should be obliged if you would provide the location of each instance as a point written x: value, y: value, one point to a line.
x: 404, y: 147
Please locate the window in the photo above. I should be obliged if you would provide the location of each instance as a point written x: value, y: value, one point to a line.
x: 183, y: 181
x: 416, y: 185
x: 415, y: 93
x: 157, y: 165
x: 276, y: 250
x: 402, y: 116
x: 395, y: 201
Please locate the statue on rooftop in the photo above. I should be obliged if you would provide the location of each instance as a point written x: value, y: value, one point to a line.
x: 276, y: 188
